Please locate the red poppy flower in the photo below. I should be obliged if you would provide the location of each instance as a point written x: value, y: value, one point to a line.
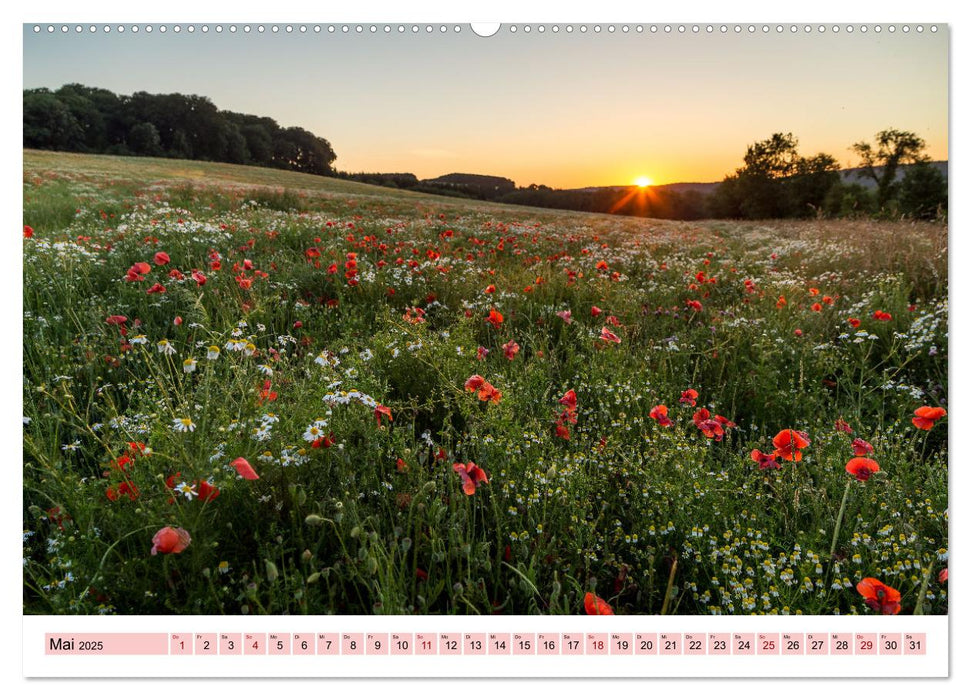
x: 596, y: 311
x: 861, y: 448
x: 879, y: 596
x: 162, y: 258
x: 881, y: 315
x: 942, y: 577
x: 198, y: 277
x: 608, y: 335
x: 472, y: 475
x: 381, y: 410
x: 780, y: 303
x: 170, y: 540
x: 28, y: 232
x: 569, y: 399
x: 817, y: 307
x: 843, y: 427
x: 854, y: 322
x: 137, y: 271
x: 510, y: 349
x: 660, y: 414
x: 139, y: 448
x: 127, y: 488
x: 789, y: 443
x: 693, y: 304
x: 207, y: 492
x: 925, y: 416
x: 156, y: 289
x: 566, y: 316
x: 122, y: 463
x: 765, y: 461
x: 862, y: 468
x: 562, y: 431
x: 602, y: 265
x: 244, y: 469
x: 710, y: 427
x: 595, y: 605
x: 487, y: 392
x: 725, y: 423
x: 490, y: 289
x: 689, y: 396
x: 495, y: 318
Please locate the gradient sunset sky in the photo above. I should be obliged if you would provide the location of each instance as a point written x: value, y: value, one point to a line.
x: 565, y: 109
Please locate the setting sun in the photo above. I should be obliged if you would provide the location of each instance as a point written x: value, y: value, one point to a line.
x: 642, y: 181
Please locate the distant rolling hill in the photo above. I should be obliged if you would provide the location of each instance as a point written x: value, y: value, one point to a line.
x: 848, y: 175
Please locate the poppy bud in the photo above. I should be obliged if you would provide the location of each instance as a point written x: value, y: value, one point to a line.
x: 271, y: 571
x: 313, y: 519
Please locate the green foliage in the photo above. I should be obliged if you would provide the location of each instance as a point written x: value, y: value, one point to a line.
x: 143, y: 139
x: 849, y: 200
x: 776, y: 182
x: 880, y: 161
x: 923, y: 192
x: 79, y: 118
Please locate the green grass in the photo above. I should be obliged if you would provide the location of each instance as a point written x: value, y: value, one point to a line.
x: 374, y: 518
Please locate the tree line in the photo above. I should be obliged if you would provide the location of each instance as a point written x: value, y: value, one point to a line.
x: 94, y: 120
x: 777, y: 182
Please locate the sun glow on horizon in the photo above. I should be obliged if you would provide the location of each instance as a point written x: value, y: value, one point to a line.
x: 643, y: 181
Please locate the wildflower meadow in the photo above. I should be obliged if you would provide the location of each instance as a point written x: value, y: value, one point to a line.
x: 250, y: 391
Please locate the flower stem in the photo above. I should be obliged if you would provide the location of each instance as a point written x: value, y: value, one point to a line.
x: 667, y: 593
x: 839, y: 520
x: 921, y: 596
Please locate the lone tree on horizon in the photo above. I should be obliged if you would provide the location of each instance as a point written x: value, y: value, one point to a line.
x: 893, y: 148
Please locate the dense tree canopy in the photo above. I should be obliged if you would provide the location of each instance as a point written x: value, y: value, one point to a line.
x: 776, y: 182
x: 92, y: 120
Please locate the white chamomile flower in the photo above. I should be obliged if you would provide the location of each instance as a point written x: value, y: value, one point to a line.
x: 187, y: 490
x: 183, y: 425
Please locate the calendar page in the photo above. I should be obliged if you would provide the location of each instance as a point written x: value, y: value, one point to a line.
x: 359, y: 347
